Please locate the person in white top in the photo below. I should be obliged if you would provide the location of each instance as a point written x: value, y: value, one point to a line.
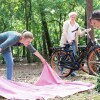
x: 71, y: 31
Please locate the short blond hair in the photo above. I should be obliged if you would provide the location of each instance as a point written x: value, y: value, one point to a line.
x: 72, y: 13
x: 27, y: 34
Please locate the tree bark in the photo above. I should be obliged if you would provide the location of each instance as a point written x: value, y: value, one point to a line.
x: 89, y: 9
x: 45, y: 28
x: 27, y: 19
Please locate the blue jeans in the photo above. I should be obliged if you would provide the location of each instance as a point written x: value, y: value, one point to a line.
x: 74, y: 47
x: 9, y: 64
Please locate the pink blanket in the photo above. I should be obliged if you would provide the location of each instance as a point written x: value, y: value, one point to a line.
x: 49, y: 85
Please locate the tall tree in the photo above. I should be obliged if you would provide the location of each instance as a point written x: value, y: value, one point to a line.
x: 28, y: 11
x: 89, y: 9
x: 44, y: 26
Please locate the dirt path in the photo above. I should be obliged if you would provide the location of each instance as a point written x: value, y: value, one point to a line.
x: 24, y: 72
x: 30, y: 72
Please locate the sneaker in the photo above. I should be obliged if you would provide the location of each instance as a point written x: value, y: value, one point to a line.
x: 73, y: 74
x: 60, y: 73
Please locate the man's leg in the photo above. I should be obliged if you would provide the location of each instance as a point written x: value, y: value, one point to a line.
x: 9, y: 64
x: 74, y: 51
x: 74, y: 47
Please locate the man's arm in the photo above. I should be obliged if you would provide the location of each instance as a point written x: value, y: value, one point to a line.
x: 40, y: 57
x: 35, y: 52
x: 65, y: 28
x: 82, y: 33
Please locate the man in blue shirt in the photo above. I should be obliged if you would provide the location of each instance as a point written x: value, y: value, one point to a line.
x: 8, y: 39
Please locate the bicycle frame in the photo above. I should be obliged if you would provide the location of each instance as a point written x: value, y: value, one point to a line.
x: 87, y: 49
x: 90, y: 46
x: 63, y: 58
x: 84, y: 53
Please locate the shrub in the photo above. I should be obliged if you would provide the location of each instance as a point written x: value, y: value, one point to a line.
x: 98, y: 83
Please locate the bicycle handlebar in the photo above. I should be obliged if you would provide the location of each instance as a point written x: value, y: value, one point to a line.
x: 88, y: 34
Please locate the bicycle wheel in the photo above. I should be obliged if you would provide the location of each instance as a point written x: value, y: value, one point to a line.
x: 55, y: 63
x: 94, y: 61
x: 84, y: 66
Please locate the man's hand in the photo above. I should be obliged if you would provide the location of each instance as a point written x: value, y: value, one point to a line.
x: 0, y: 49
x: 40, y: 56
x: 43, y: 61
x: 69, y: 41
x: 87, y: 30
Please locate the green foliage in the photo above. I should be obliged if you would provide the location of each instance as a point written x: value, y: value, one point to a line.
x: 98, y: 83
x: 97, y: 33
x: 96, y: 4
x: 13, y: 17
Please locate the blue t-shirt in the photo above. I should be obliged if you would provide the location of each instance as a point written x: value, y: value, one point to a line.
x: 9, y: 38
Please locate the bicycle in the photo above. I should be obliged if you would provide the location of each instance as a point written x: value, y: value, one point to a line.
x: 63, y: 60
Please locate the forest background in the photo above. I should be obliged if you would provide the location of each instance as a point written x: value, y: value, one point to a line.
x: 44, y: 18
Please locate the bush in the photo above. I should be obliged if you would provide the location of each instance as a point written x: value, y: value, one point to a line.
x: 98, y: 83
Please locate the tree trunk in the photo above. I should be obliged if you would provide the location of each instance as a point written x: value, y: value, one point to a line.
x: 89, y: 9
x: 60, y: 27
x: 44, y: 45
x: 45, y: 28
x: 27, y: 19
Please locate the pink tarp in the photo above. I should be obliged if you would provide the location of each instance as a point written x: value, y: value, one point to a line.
x: 49, y: 85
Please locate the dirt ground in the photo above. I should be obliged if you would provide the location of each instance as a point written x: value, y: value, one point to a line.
x: 24, y: 72
x: 30, y: 73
